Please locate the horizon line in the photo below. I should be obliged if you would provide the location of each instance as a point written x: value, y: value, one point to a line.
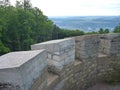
x: 83, y: 15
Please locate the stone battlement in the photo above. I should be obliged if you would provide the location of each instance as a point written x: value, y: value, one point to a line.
x: 65, y: 64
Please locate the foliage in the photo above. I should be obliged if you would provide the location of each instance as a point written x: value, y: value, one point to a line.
x: 24, y: 25
x: 93, y: 32
x: 103, y: 31
x: 117, y: 29
x: 69, y: 33
x: 100, y: 31
x: 3, y: 49
x: 106, y: 31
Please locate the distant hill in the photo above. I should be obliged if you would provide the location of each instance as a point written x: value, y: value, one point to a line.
x: 86, y: 23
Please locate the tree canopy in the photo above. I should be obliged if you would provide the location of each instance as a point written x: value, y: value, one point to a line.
x: 24, y: 25
x: 117, y: 29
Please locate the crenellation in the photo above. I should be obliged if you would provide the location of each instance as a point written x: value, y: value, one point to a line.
x: 59, y: 53
x: 87, y: 47
x: 110, y: 44
x: 55, y: 68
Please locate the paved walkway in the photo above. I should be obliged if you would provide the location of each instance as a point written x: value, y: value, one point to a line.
x: 104, y: 86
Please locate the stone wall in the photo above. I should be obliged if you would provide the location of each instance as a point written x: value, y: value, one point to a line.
x: 19, y: 70
x: 89, y: 71
x: 59, y: 53
x: 68, y: 64
x: 110, y: 44
x: 86, y: 47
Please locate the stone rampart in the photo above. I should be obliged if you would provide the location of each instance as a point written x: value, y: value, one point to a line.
x: 86, y: 47
x: 19, y: 70
x: 59, y: 53
x: 66, y: 64
x: 110, y: 44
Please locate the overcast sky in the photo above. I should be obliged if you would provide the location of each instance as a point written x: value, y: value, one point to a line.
x: 77, y: 7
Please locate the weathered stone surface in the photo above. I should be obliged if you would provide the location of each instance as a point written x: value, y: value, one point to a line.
x: 110, y: 44
x: 55, y: 46
x: 52, y: 81
x: 73, y: 75
x: 20, y: 69
x: 86, y: 47
x: 59, y: 53
x: 86, y: 73
x: 8, y: 86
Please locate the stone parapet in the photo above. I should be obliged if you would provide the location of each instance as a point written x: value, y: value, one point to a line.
x: 87, y: 47
x: 59, y: 53
x: 97, y: 60
x: 19, y: 70
x: 110, y: 44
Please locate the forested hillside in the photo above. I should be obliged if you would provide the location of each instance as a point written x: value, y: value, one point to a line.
x: 87, y: 23
x: 23, y: 25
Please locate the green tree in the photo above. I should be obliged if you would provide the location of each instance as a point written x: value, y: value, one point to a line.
x: 101, y: 31
x: 24, y: 25
x: 3, y: 49
x: 117, y: 29
x: 93, y: 32
x: 70, y: 33
x: 27, y: 5
x: 106, y: 31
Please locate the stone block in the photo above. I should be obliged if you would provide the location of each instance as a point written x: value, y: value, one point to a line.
x: 87, y: 47
x: 110, y: 44
x: 21, y: 69
x: 59, y: 52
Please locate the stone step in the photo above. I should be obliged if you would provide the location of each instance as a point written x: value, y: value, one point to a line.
x: 52, y: 80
